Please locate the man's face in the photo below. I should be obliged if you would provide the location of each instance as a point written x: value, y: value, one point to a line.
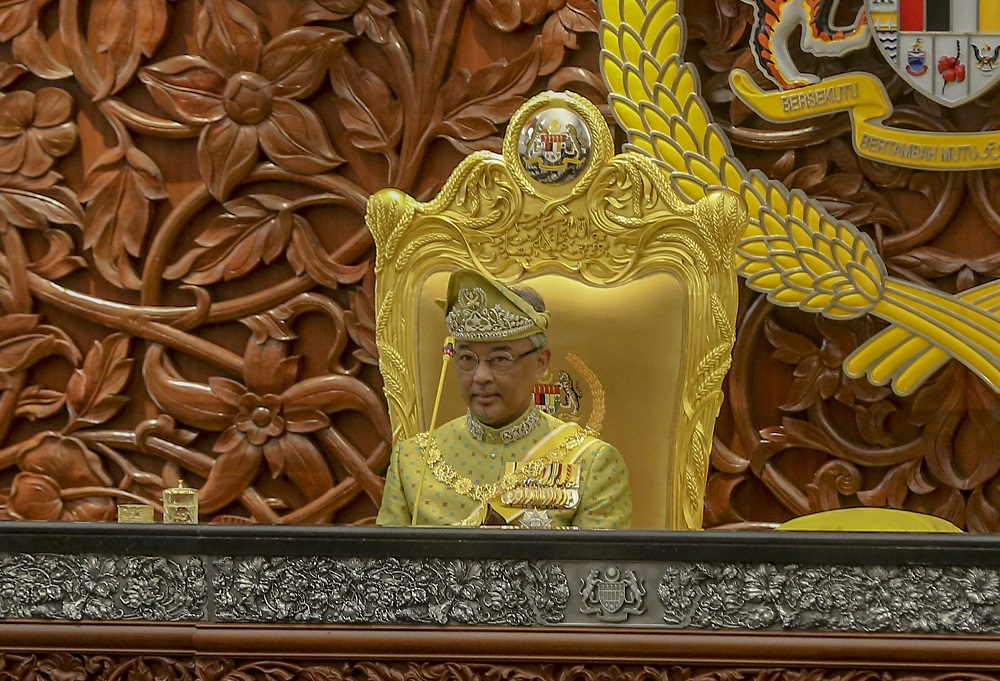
x: 497, y: 398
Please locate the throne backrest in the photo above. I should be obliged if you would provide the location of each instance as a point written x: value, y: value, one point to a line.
x: 641, y: 287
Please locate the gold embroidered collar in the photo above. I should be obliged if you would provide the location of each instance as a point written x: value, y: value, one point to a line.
x: 512, y: 432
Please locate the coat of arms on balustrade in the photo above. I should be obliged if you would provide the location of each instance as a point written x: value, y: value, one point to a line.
x: 613, y: 595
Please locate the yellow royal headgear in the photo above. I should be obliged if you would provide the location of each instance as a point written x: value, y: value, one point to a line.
x: 480, y: 308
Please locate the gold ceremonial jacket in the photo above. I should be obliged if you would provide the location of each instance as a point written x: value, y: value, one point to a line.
x: 605, y: 497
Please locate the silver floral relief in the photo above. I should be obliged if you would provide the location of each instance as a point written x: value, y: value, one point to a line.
x: 916, y: 599
x: 92, y: 587
x: 386, y: 590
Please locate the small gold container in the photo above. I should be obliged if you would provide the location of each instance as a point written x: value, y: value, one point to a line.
x: 180, y: 504
x: 135, y: 513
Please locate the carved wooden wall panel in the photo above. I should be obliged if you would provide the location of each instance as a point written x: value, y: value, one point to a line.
x: 799, y: 435
x: 185, y: 275
x: 68, y: 667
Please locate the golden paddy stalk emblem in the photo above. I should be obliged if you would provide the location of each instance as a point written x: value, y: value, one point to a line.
x: 793, y: 250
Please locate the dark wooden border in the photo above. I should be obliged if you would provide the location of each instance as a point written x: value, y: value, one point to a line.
x: 590, y: 646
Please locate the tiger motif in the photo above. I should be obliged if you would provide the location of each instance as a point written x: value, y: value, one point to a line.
x: 775, y: 22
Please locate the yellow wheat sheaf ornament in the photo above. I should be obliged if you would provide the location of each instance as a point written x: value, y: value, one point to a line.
x: 793, y: 250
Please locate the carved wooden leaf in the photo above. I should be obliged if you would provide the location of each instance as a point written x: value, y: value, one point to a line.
x: 34, y: 497
x: 227, y: 153
x: 58, y: 260
x: 294, y: 138
x: 193, y: 403
x: 256, y: 229
x: 929, y: 262
x: 307, y: 254
x: 718, y: 492
x: 789, y: 347
x: 67, y: 460
x: 474, y: 103
x: 368, y: 108
x: 806, y: 177
x: 952, y: 509
x: 125, y: 31
x: 508, y: 15
x: 230, y: 34
x: 234, y: 469
x: 23, y: 343
x: 16, y: 16
x: 36, y: 402
x: 791, y: 433
x: 561, y: 30
x: 33, y: 50
x: 10, y: 72
x: 360, y: 320
x: 295, y: 62
x: 296, y: 456
x: 321, y: 674
x: 873, y: 422
x: 333, y: 393
x: 268, y: 369
x: 38, y: 497
x: 372, y: 20
x: 92, y: 393
x: 892, y: 489
x: 38, y: 208
x: 833, y: 479
x: 118, y: 191
x: 188, y: 88
x: 983, y: 515
x: 309, y: 11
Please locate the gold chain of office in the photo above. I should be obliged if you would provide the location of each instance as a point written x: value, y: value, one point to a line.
x: 447, y: 475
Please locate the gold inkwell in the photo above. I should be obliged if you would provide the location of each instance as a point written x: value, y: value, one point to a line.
x: 180, y: 504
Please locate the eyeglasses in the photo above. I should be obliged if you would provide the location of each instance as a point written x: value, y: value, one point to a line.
x: 498, y: 362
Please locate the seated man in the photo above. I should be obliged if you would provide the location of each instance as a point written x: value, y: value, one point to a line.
x: 505, y: 461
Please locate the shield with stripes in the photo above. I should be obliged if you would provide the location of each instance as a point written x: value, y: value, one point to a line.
x: 949, y: 50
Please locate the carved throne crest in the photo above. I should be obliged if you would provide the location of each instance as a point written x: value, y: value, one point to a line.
x: 641, y: 286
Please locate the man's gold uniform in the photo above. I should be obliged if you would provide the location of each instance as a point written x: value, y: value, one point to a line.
x: 481, y: 453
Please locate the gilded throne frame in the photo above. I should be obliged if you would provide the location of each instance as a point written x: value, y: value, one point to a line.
x: 646, y: 283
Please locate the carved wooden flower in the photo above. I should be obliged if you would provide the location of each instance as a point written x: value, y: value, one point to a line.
x: 60, y: 479
x: 35, y: 130
x: 245, y: 97
x: 267, y: 417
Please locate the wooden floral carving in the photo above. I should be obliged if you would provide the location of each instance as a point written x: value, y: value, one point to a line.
x: 186, y: 284
x: 73, y: 667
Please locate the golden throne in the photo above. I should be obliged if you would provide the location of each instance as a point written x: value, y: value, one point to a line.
x: 641, y: 286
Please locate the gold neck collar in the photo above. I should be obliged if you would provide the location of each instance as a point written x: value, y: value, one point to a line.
x: 512, y: 432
